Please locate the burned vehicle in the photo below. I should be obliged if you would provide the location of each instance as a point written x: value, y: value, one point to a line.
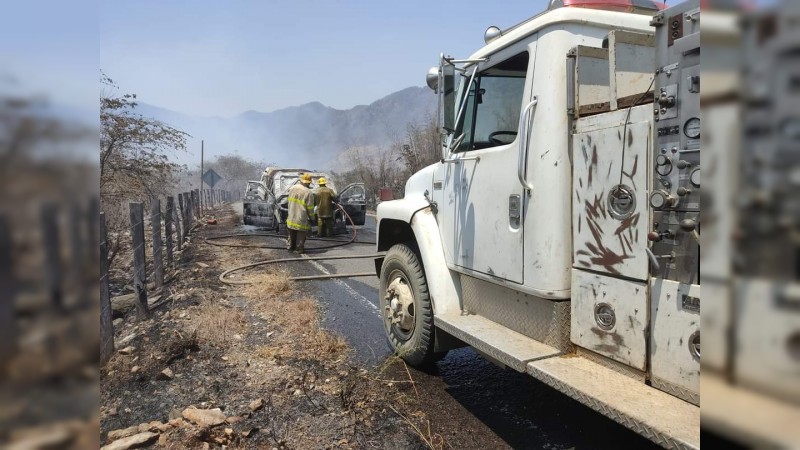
x: 266, y: 202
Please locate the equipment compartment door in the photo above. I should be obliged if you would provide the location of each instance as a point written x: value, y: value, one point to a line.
x: 609, y: 205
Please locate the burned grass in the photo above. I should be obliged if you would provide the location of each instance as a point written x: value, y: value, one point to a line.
x: 259, y: 354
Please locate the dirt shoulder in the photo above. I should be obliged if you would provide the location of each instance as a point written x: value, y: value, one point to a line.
x: 248, y: 367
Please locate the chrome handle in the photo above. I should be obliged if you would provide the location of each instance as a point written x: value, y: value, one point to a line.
x: 523, y: 144
x: 514, y: 210
x: 653, y: 260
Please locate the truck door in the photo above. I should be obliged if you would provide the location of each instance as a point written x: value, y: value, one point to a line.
x: 353, y: 199
x: 482, y: 198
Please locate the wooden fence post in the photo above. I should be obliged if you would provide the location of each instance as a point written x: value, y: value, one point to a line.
x: 158, y: 248
x: 182, y: 207
x: 189, y: 212
x: 8, y: 286
x: 197, y: 207
x: 106, y: 324
x: 168, y: 228
x: 191, y: 200
x: 52, y: 252
x: 187, y: 221
x: 178, y: 227
x: 139, y: 263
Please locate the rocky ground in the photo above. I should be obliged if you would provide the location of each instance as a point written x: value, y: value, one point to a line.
x: 218, y: 366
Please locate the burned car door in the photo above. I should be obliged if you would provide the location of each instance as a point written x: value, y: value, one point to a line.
x: 353, y: 199
x: 257, y: 205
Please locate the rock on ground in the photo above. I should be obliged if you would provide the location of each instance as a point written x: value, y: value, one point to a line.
x: 123, y: 433
x: 137, y: 440
x: 255, y: 405
x: 204, y: 417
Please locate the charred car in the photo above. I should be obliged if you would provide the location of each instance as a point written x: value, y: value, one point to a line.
x: 266, y: 202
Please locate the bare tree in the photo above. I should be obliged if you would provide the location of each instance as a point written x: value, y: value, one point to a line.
x: 134, y: 157
x: 236, y: 171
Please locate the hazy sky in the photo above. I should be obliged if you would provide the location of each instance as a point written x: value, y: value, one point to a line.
x: 212, y: 57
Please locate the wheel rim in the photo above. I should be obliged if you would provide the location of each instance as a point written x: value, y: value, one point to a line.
x: 400, y: 310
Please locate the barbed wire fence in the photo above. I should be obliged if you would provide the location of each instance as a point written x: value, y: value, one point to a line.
x: 178, y: 222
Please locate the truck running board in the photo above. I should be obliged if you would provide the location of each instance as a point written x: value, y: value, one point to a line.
x: 658, y: 416
x: 513, y: 349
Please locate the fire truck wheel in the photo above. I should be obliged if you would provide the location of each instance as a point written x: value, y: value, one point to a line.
x: 406, y: 306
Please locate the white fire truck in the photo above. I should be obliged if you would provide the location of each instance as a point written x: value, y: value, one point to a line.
x: 559, y: 234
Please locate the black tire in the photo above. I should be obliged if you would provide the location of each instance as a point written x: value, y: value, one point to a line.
x: 415, y: 346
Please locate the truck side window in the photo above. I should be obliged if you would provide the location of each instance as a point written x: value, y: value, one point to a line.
x: 494, y: 101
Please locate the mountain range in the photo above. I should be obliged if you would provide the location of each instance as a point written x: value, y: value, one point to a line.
x: 307, y: 135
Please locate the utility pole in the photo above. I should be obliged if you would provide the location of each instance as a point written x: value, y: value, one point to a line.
x: 200, y: 200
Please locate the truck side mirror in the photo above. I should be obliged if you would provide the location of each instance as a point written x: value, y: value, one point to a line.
x: 442, y: 80
x: 447, y: 95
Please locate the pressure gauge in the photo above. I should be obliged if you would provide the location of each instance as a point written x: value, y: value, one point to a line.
x: 692, y: 128
x: 694, y: 177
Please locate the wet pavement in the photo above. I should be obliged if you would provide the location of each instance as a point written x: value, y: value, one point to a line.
x: 463, y: 393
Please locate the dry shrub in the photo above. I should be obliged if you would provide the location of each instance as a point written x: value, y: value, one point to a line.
x: 299, y: 320
x: 267, y: 286
x: 216, y: 324
x: 273, y: 352
x: 329, y: 344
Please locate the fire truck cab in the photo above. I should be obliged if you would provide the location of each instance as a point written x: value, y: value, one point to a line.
x: 558, y: 235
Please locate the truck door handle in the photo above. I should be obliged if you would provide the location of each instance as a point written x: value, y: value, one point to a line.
x: 522, y: 160
x: 514, y: 213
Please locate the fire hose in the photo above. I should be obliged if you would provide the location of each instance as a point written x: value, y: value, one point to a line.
x: 338, y: 243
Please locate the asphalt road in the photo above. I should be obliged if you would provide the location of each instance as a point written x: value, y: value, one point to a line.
x: 512, y: 409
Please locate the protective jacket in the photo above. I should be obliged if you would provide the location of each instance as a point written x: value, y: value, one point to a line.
x: 301, y: 208
x: 323, y: 199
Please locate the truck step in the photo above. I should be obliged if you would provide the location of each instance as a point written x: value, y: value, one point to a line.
x: 658, y: 416
x: 513, y: 349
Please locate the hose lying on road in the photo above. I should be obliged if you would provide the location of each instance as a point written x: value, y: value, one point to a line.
x: 338, y: 243
x: 223, y: 276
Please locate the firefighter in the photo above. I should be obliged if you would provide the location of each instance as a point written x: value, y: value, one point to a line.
x: 301, y: 214
x: 324, y: 199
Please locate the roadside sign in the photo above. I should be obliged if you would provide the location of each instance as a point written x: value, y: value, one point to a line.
x: 211, y: 178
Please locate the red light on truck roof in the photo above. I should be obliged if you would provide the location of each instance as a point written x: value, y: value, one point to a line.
x: 611, y: 5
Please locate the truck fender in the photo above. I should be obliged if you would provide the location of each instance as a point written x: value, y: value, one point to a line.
x: 414, y: 223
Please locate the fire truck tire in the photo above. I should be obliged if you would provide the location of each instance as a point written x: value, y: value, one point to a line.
x: 413, y: 340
